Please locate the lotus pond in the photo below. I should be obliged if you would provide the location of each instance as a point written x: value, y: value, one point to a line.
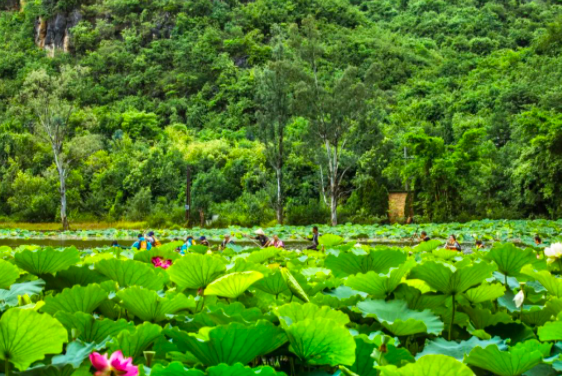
x: 522, y: 231
x: 346, y: 310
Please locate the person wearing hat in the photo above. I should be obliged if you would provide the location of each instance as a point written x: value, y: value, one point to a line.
x: 188, y: 243
x: 226, y: 241
x: 203, y: 241
x: 152, y: 239
x: 264, y: 240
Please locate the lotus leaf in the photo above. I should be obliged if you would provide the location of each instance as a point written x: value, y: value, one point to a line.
x: 194, y: 271
x: 147, y: 305
x: 27, y: 336
x: 398, y: 319
x: 46, y: 260
x: 234, y: 284
x: 321, y: 342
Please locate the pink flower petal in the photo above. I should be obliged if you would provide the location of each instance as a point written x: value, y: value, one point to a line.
x: 99, y: 361
x: 132, y: 371
x: 157, y: 261
x: 166, y: 264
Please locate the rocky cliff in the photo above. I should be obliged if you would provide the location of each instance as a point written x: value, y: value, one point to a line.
x: 54, y: 34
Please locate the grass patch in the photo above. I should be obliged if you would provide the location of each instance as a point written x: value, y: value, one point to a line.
x: 55, y: 226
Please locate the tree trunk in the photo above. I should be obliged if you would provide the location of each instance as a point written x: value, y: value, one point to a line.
x: 333, y: 201
x: 63, y: 217
x: 280, y: 203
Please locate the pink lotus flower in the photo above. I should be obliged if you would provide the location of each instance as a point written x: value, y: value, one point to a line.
x: 160, y: 263
x: 116, y: 365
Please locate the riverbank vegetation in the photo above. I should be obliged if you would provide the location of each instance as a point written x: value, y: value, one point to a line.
x: 305, y: 112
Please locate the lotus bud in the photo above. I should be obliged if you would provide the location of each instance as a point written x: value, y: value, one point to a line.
x: 519, y: 298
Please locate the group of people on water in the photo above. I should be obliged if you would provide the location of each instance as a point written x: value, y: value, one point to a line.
x: 146, y: 242
x: 259, y: 237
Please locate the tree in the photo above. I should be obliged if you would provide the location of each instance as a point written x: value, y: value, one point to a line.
x: 274, y: 99
x: 50, y: 98
x: 333, y: 107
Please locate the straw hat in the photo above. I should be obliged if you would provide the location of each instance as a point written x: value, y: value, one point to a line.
x: 259, y: 232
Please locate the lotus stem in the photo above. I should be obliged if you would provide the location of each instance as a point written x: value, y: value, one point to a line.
x: 505, y: 279
x: 7, y: 367
x: 452, y: 317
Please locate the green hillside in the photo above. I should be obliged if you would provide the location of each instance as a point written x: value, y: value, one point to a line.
x: 336, y: 102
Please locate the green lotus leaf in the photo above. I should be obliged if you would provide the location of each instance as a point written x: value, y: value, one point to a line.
x: 77, y: 299
x: 166, y: 251
x: 261, y: 256
x: 293, y: 285
x: 273, y: 284
x: 129, y: 273
x: 91, y: 330
x: 174, y: 369
x: 295, y: 312
x: 537, y: 315
x: 458, y: 350
x: 230, y: 344
x: 75, y: 275
x: 550, y: 282
x: 379, y: 261
x: 75, y: 353
x: 315, y: 271
x: 321, y: 342
x: 483, y: 318
x: 448, y: 280
x: 329, y: 240
x: 224, y: 314
x: 377, y: 285
x: 46, y: 260
x: 427, y: 246
x: 10, y: 297
x: 399, y: 320
x: 364, y: 364
x: 429, y: 365
x: 8, y: 274
x: 240, y: 370
x: 27, y: 336
x: 510, y: 259
x: 551, y: 331
x: 518, y: 360
x: 232, y: 285
x: 133, y: 343
x: 194, y: 271
x: 445, y: 254
x: 418, y: 301
x: 485, y: 292
x: 147, y: 305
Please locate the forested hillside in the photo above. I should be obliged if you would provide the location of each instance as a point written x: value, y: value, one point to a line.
x: 286, y: 110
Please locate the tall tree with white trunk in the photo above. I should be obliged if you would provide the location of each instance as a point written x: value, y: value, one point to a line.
x: 51, y: 99
x: 274, y: 99
x: 333, y: 102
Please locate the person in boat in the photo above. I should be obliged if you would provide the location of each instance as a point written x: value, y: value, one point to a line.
x: 188, y: 243
x: 314, y: 239
x: 276, y: 242
x: 424, y: 237
x: 226, y: 241
x: 151, y: 238
x: 261, y: 237
x: 453, y: 244
x: 203, y: 241
x: 479, y: 244
x: 538, y: 240
x: 142, y: 244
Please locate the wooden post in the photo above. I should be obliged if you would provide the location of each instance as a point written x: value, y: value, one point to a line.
x: 188, y: 195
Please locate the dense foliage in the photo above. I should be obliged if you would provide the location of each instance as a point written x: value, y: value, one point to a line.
x: 347, y: 310
x: 324, y: 93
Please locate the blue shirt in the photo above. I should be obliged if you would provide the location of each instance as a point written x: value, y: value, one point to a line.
x: 137, y: 244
